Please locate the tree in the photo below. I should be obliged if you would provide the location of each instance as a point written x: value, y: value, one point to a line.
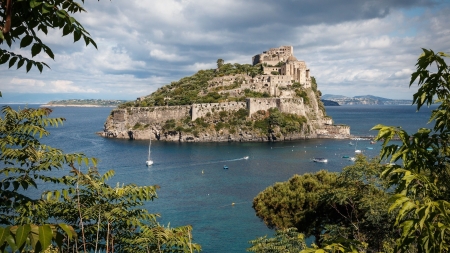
x: 296, y: 203
x: 421, y: 200
x: 220, y: 63
x: 27, y: 20
x: 285, y: 240
x: 350, y: 206
x: 84, y: 213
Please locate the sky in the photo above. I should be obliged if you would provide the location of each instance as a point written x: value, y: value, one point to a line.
x: 352, y: 47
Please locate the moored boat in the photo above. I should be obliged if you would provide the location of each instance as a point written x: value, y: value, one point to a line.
x: 320, y: 160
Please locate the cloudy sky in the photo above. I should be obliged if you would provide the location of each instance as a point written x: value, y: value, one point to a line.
x: 352, y: 47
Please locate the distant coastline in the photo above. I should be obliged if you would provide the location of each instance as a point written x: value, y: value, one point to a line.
x: 84, y: 103
x: 75, y: 105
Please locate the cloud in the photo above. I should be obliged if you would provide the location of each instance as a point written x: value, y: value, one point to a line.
x: 143, y: 45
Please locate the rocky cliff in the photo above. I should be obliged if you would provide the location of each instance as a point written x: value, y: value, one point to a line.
x: 231, y: 103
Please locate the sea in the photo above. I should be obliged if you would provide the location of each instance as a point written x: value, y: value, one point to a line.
x: 196, y: 190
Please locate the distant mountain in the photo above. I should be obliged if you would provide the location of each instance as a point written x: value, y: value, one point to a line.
x: 364, y: 100
x: 329, y: 103
x: 330, y: 96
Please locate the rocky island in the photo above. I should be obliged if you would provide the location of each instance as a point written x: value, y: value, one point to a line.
x: 273, y: 99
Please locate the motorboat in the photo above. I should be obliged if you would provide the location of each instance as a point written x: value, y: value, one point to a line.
x: 320, y: 160
x: 225, y: 167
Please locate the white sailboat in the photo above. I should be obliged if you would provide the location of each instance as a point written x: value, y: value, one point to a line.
x: 149, y: 160
x: 358, y: 151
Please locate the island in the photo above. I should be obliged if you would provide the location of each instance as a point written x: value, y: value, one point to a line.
x: 85, y: 103
x: 364, y: 100
x: 273, y: 99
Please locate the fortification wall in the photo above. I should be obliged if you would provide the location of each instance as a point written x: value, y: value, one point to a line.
x: 257, y: 104
x: 293, y: 106
x: 200, y: 110
x: 123, y: 119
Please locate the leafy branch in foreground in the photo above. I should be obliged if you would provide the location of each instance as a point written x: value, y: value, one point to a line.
x: 25, y: 22
x: 86, y: 213
x: 422, y: 190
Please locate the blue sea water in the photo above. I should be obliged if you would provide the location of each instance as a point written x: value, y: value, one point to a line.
x: 196, y: 190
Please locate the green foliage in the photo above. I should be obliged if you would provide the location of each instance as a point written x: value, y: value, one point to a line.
x: 192, y: 89
x: 138, y: 126
x: 26, y: 21
x: 288, y: 123
x: 296, y: 203
x: 261, y: 125
x: 348, y: 206
x: 302, y: 93
x: 421, y: 185
x: 313, y: 84
x: 255, y: 94
x: 241, y: 114
x: 169, y: 125
x: 93, y: 215
x: 285, y: 240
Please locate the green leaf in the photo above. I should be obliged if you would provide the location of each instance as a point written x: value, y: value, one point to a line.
x: 26, y: 41
x: 21, y: 62
x: 10, y: 240
x: 49, y: 52
x: 39, y: 66
x: 12, y: 61
x: 66, y: 29
x: 76, y: 35
x: 68, y: 229
x: 4, y: 58
x: 22, y: 234
x: 45, y: 236
x: 4, y: 232
x: 35, y: 49
x: 29, y: 65
x: 1, y: 35
x: 35, y: 3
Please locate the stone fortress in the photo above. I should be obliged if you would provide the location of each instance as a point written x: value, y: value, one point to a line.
x: 281, y: 70
x: 289, y: 71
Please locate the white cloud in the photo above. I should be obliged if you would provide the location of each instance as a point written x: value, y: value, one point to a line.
x: 143, y: 45
x: 159, y: 54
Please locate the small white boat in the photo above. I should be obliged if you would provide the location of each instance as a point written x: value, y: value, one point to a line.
x: 351, y: 144
x: 320, y: 160
x: 357, y: 151
x: 149, y: 160
x: 352, y: 159
x: 245, y: 157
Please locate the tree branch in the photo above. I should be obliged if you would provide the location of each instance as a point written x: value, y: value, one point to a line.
x: 7, y: 26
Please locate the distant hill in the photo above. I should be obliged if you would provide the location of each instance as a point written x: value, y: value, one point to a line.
x: 86, y: 102
x: 364, y: 100
x: 329, y: 103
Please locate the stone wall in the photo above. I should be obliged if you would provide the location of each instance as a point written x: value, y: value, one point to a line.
x: 257, y: 104
x: 292, y: 105
x: 200, y: 110
x: 126, y: 118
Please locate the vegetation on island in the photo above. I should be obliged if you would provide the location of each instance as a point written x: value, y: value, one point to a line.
x: 194, y: 89
x: 374, y: 206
